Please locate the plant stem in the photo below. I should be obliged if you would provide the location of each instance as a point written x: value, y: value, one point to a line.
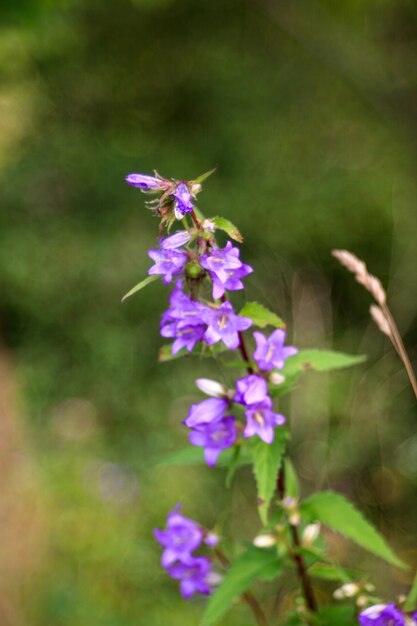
x: 248, y: 596
x: 298, y: 559
x: 399, y: 346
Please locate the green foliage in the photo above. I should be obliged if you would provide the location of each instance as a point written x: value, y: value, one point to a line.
x: 333, y: 510
x: 292, y: 487
x: 325, y: 571
x: 342, y: 615
x: 411, y: 602
x: 253, y: 564
x: 261, y: 316
x: 143, y: 283
x: 194, y: 455
x: 267, y: 459
x: 221, y: 223
x: 320, y: 361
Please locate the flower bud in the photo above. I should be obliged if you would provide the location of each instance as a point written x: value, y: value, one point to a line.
x: 311, y: 533
x: 211, y: 540
x: 276, y: 378
x: 265, y: 541
x: 195, y: 188
x: 177, y: 240
x: 291, y: 507
x: 211, y: 387
x: 347, y: 590
x: 208, y: 225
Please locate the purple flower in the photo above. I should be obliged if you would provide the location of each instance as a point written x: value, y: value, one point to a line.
x: 215, y: 437
x: 251, y: 390
x: 270, y: 353
x: 183, y: 203
x: 206, y: 412
x: 176, y: 240
x: 180, y: 538
x: 224, y: 325
x: 193, y: 574
x: 183, y: 321
x: 382, y: 615
x: 261, y: 421
x: 145, y: 182
x: 168, y: 263
x: 226, y: 269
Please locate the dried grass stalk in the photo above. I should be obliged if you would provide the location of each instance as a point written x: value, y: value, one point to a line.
x: 358, y: 267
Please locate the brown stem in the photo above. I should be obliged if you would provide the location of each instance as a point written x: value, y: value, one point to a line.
x: 248, y: 596
x: 298, y: 559
x: 244, y: 352
x: 195, y: 219
x: 399, y: 346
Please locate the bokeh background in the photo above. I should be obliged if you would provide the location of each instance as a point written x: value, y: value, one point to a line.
x: 309, y: 109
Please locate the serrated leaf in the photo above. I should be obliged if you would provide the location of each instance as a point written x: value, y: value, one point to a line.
x: 411, y: 602
x: 143, y: 283
x: 320, y: 361
x: 221, y: 223
x: 266, y: 462
x: 329, y: 572
x: 252, y: 564
x: 193, y: 455
x: 335, y: 511
x: 261, y: 316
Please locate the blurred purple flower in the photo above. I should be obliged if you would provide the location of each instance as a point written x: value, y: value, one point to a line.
x: 382, y: 615
x: 192, y: 573
x: 180, y: 538
x: 183, y: 203
x: 226, y: 269
x: 145, y: 182
x: 167, y: 263
x: 270, y: 352
x: 261, y: 421
x: 176, y: 240
x: 224, y: 324
x: 251, y: 389
x: 215, y: 437
x: 206, y: 412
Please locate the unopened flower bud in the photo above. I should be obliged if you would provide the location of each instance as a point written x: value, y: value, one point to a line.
x: 276, y: 378
x: 195, y: 188
x: 208, y: 225
x: 361, y: 601
x: 291, y: 506
x: 347, y: 590
x: 211, y: 540
x: 211, y: 387
x: 311, y: 533
x: 265, y: 540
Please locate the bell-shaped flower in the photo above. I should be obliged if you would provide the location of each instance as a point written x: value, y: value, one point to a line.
x: 224, y: 325
x: 180, y: 538
x: 270, y: 352
x: 214, y: 437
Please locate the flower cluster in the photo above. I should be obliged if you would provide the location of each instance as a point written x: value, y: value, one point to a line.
x: 180, y: 539
x: 200, y: 312
x: 386, y: 615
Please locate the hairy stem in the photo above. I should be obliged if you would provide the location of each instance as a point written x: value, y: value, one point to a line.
x: 298, y: 558
x: 248, y: 596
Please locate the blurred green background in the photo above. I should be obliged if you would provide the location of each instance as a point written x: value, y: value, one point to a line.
x: 309, y: 109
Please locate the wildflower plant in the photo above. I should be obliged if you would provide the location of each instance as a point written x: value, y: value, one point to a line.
x: 241, y: 423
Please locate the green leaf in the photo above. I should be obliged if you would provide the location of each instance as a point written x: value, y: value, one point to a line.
x: 292, y: 488
x: 202, y: 177
x: 333, y: 510
x: 193, y: 455
x: 252, y: 564
x: 266, y: 462
x: 261, y: 316
x: 411, y: 602
x: 141, y: 285
x: 329, y: 572
x: 230, y: 229
x: 320, y: 361
x: 342, y: 615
